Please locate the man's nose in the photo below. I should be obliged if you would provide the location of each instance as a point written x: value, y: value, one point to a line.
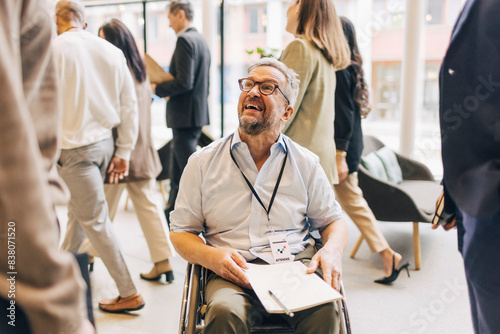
x: 255, y: 90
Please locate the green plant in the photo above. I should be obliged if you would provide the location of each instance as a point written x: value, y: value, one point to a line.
x: 264, y: 53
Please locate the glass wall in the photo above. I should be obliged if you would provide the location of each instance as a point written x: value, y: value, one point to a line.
x: 263, y: 28
x: 251, y: 25
x: 160, y: 44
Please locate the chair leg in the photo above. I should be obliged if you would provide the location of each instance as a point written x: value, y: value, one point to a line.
x: 416, y: 245
x: 163, y: 193
x: 356, y: 247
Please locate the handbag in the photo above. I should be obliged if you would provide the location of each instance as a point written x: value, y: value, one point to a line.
x: 441, y: 217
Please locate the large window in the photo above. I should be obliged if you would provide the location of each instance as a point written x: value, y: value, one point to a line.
x: 389, y: 14
x: 256, y: 17
x: 253, y: 24
x: 160, y: 43
x: 435, y: 10
x: 386, y: 84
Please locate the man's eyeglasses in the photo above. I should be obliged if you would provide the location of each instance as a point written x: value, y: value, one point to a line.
x: 265, y: 88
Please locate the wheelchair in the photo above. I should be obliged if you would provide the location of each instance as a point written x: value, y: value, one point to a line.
x: 193, y: 308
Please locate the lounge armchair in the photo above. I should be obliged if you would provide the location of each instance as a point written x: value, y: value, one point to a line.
x: 411, y: 200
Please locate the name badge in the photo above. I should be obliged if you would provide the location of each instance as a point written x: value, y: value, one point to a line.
x: 280, y: 249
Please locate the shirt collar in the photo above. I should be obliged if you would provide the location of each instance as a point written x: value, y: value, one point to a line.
x: 183, y: 30
x: 236, y: 140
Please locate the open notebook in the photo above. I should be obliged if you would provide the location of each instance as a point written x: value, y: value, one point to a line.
x: 291, y: 285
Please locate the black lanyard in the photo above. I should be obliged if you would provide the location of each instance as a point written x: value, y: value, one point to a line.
x: 268, y: 210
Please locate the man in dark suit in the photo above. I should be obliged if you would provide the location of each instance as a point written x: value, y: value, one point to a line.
x: 187, y: 108
x: 470, y: 134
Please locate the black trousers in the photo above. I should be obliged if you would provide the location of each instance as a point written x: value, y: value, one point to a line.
x: 479, y: 243
x: 184, y: 144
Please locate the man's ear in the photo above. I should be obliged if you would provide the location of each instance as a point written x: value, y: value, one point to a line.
x: 85, y: 26
x: 287, y: 114
x: 181, y: 13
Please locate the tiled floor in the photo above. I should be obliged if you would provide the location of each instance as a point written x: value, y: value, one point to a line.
x: 432, y: 300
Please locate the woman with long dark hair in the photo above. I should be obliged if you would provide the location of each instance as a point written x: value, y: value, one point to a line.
x: 318, y: 50
x: 352, y: 104
x: 144, y: 161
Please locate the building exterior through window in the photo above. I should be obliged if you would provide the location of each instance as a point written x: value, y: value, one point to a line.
x: 252, y: 24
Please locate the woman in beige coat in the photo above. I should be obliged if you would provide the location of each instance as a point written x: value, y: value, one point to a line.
x: 319, y: 49
x: 144, y: 161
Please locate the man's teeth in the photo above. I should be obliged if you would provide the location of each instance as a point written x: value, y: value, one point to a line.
x: 253, y: 106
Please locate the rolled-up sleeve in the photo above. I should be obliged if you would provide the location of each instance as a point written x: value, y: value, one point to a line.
x: 188, y: 213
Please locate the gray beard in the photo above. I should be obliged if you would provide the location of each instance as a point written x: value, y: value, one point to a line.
x: 255, y: 127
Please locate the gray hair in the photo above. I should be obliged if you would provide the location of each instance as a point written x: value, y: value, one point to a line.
x: 71, y: 10
x: 292, y: 88
x: 185, y: 5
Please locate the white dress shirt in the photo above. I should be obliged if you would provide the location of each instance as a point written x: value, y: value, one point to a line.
x: 215, y: 200
x: 97, y: 92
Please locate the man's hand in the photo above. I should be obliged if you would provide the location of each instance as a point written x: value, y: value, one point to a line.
x: 448, y: 226
x: 228, y: 264
x: 118, y: 169
x: 330, y: 261
x: 342, y: 168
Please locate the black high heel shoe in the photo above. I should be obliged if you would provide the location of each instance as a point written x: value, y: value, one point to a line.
x: 395, y: 272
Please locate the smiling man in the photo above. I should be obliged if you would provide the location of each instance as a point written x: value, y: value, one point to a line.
x: 244, y: 190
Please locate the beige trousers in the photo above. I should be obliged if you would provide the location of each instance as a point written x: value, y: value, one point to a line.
x: 350, y: 198
x: 149, y: 213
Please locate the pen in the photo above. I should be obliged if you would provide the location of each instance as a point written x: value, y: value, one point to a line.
x: 287, y: 312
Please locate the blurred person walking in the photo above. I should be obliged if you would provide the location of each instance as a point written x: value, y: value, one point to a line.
x: 470, y: 136
x: 351, y: 104
x: 187, y: 107
x: 41, y: 287
x: 318, y: 50
x: 98, y: 94
x: 144, y: 161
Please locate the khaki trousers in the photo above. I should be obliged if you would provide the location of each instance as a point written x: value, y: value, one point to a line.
x: 350, y: 198
x: 232, y: 309
x: 149, y: 213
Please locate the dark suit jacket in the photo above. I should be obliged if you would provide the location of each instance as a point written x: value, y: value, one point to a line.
x: 188, y: 92
x: 470, y: 110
